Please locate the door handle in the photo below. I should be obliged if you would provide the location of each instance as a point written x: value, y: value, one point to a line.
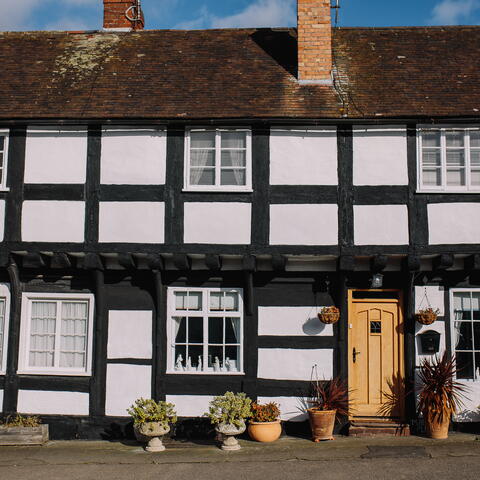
x: 355, y: 353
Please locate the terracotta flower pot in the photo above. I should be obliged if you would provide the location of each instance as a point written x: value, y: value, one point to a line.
x: 265, y: 432
x: 437, y: 430
x: 329, y: 318
x: 321, y: 423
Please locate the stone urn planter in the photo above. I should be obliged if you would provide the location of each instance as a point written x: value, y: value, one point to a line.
x: 229, y: 431
x: 154, y: 431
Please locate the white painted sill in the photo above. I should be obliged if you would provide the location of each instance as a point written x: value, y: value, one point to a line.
x: 447, y: 192
x: 206, y: 373
x: 217, y: 190
x: 54, y: 373
x: 4, y: 189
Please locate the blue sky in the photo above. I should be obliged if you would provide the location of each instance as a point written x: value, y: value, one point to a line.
x: 87, y: 14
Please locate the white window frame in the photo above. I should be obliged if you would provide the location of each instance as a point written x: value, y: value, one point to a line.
x: 3, y: 183
x: 205, y: 313
x: 468, y: 188
x: 452, y: 328
x: 218, y: 188
x: 25, y: 326
x: 5, y: 295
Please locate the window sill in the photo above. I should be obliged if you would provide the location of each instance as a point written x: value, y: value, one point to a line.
x: 4, y: 189
x: 447, y: 192
x: 217, y: 190
x: 54, y: 373
x: 206, y: 373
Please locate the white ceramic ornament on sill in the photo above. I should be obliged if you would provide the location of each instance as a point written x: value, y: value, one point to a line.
x: 200, y: 365
x: 179, y: 364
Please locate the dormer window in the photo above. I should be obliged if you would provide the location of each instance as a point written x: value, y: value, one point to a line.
x: 218, y: 160
x: 449, y: 160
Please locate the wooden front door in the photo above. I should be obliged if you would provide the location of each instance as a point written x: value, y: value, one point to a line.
x: 376, y: 363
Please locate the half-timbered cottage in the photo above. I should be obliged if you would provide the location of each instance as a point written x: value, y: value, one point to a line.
x: 177, y: 206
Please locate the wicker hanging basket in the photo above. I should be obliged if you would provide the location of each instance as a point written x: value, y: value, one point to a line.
x: 426, y: 317
x: 329, y: 315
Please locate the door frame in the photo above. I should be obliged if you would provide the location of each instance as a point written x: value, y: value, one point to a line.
x: 401, y: 340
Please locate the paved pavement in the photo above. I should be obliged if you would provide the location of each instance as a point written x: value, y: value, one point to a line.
x: 289, y: 458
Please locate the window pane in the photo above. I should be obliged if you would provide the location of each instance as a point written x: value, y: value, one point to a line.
x: 463, y: 336
x: 2, y: 142
x: 475, y: 157
x: 231, y: 301
x: 202, y: 176
x: 432, y: 177
x: 476, y: 306
x: 215, y: 358
x: 195, y: 330
x: 462, y: 306
x: 232, y: 359
x: 455, y: 158
x: 202, y: 139
x: 464, y: 365
x: 475, y: 177
x: 476, y: 337
x: 73, y: 331
x: 475, y: 138
x: 234, y: 158
x: 215, y: 330
x: 2, y: 330
x: 234, y: 139
x: 232, y: 330
x: 180, y: 300
x: 202, y: 158
x: 456, y: 177
x: 454, y: 138
x: 216, y: 301
x: 194, y: 300
x: 1, y: 159
x: 180, y: 325
x: 42, y: 334
x: 194, y: 361
x: 432, y: 158
x: 477, y: 365
x: 431, y: 138
x: 180, y: 357
x: 233, y: 177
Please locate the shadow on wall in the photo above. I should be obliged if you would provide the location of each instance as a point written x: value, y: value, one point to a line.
x: 313, y: 326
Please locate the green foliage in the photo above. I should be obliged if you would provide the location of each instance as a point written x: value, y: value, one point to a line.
x: 268, y: 412
x: 21, y: 421
x: 148, y: 410
x: 231, y: 408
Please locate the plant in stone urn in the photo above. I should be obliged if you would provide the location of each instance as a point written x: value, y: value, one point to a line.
x: 152, y: 420
x: 228, y: 413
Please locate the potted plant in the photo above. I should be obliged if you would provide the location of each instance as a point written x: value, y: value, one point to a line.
x: 152, y: 420
x: 228, y: 413
x: 439, y: 395
x: 329, y: 315
x: 264, y: 425
x: 329, y: 400
x: 426, y: 316
x: 23, y: 430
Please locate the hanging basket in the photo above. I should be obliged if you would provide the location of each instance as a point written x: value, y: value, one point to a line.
x: 329, y: 315
x: 426, y: 317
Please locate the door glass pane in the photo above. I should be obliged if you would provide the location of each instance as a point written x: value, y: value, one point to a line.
x: 463, y: 336
x: 431, y: 138
x: 195, y: 330
x: 215, y: 330
x: 232, y: 330
x: 464, y: 365
x: 234, y: 139
x: 202, y: 139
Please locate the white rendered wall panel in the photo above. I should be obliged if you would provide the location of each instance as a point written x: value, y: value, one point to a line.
x: 129, y: 334
x: 453, y: 223
x: 217, y: 222
x: 126, y: 383
x: 380, y: 225
x: 430, y: 296
x: 303, y: 157
x: 437, y: 326
x: 2, y: 220
x: 380, y: 156
x: 132, y: 222
x: 292, y: 409
x: 53, y: 221
x: 53, y: 403
x: 304, y: 224
x: 53, y: 156
x: 294, y: 364
x: 190, y: 405
x: 291, y: 321
x: 133, y: 157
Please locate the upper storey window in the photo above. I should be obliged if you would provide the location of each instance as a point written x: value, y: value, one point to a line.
x: 3, y: 159
x: 449, y: 160
x: 218, y: 160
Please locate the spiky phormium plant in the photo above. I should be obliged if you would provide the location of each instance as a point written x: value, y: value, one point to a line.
x: 330, y: 395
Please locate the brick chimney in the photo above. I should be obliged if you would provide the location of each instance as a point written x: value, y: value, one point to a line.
x: 122, y: 15
x: 314, y: 42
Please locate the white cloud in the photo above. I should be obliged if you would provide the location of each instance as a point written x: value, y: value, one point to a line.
x: 260, y: 13
x: 452, y: 12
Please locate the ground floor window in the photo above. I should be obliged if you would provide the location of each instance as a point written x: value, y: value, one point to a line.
x: 205, y: 330
x: 56, y: 334
x: 466, y: 332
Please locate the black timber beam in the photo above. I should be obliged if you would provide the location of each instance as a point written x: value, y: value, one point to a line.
x: 213, y: 262
x: 182, y: 262
x: 472, y: 262
x: 443, y: 261
x: 155, y: 262
x: 412, y: 263
x: 249, y: 263
x: 279, y: 263
x: 346, y: 263
x: 127, y: 261
x: 378, y: 263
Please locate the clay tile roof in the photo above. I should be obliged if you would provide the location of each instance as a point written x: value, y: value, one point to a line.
x: 237, y: 73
